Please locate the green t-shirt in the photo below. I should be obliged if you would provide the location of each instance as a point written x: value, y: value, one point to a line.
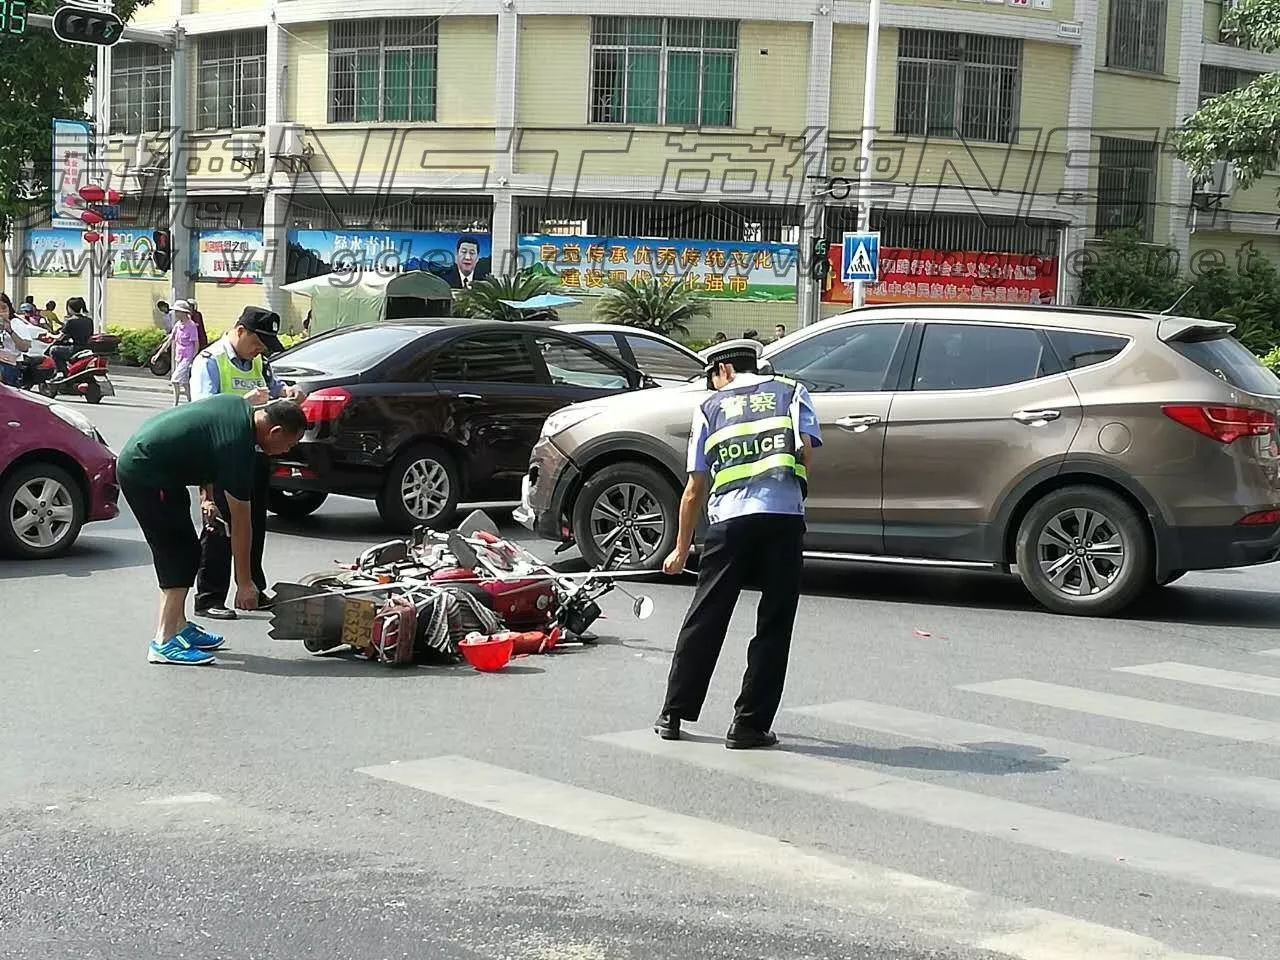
x: 208, y: 441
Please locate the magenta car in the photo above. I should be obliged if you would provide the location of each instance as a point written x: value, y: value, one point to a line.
x: 56, y: 474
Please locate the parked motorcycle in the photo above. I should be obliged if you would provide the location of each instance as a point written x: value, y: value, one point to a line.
x: 85, y: 376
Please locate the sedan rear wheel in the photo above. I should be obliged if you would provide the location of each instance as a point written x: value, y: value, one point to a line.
x: 626, y: 518
x: 422, y: 488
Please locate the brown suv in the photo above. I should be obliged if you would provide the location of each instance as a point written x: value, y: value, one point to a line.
x: 1097, y: 453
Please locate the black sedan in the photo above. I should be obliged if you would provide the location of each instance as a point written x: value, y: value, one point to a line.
x: 421, y: 415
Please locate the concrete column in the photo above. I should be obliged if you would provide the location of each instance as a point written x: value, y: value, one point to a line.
x: 504, y: 119
x: 180, y: 233
x: 275, y: 203
x: 818, y: 124
x: 14, y: 280
x: 1190, y: 53
x: 1079, y: 145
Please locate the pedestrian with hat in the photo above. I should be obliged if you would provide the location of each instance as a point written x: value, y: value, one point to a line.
x: 236, y: 364
x: 750, y: 450
x: 182, y: 343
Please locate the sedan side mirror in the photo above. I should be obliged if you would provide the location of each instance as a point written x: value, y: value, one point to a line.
x: 765, y: 367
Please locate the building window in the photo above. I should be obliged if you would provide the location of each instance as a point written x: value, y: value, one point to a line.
x: 1135, y: 35
x: 663, y: 71
x: 958, y: 85
x: 231, y: 80
x: 1215, y: 81
x: 1126, y: 186
x: 140, y: 75
x: 383, y: 71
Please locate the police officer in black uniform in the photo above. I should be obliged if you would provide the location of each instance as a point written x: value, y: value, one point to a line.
x: 750, y: 448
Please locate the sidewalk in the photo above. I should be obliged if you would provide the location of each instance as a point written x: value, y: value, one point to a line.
x: 139, y: 379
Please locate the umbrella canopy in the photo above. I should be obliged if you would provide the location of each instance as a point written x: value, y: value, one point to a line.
x: 342, y: 301
x: 546, y: 301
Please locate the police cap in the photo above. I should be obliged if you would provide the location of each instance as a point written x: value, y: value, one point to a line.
x: 732, y: 351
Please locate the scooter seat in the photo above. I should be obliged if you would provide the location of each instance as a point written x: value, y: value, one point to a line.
x: 81, y: 355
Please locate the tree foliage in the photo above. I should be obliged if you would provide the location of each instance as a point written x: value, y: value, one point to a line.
x: 484, y: 300
x: 1241, y: 126
x: 40, y: 78
x: 651, y: 305
x: 1126, y: 274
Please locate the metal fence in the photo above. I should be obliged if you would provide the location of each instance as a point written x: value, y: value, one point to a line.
x: 951, y: 232
x: 1126, y: 186
x: 453, y: 215
x: 383, y: 71
x: 660, y: 219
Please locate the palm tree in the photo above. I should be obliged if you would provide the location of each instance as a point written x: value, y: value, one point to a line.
x: 651, y: 305
x: 484, y: 300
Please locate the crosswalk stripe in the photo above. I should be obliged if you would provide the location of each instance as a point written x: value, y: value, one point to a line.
x: 1170, y: 775
x: 934, y: 909
x: 1207, y: 677
x: 977, y: 813
x: 1151, y: 712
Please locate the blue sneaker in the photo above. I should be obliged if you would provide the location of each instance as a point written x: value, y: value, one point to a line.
x: 178, y: 650
x: 200, y: 638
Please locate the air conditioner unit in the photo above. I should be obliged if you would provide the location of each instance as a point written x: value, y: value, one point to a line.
x: 139, y: 153
x: 1224, y: 178
x: 243, y: 144
x: 285, y: 140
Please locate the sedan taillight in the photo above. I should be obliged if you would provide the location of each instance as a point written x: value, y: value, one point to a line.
x: 325, y: 406
x: 1221, y: 423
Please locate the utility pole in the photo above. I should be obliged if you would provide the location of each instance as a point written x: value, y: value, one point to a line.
x: 868, y: 133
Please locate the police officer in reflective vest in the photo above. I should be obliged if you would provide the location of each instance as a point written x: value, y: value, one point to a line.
x: 750, y: 451
x: 236, y: 364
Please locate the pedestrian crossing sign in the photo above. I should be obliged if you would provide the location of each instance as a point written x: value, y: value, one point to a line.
x: 860, y: 257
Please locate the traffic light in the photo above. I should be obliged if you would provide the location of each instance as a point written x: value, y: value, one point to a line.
x: 96, y: 28
x: 819, y: 261
x: 161, y: 252
x: 13, y: 17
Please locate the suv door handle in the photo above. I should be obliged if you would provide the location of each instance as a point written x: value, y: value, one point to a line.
x: 858, y: 424
x: 1036, y: 418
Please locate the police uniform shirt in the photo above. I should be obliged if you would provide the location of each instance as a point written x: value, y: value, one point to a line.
x: 206, y: 381
x: 769, y: 494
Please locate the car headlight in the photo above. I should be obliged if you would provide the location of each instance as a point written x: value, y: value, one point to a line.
x: 562, y: 420
x: 76, y: 419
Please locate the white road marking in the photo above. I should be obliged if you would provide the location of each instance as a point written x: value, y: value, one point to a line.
x: 1151, y: 712
x: 1020, y: 823
x: 1207, y: 677
x: 1273, y: 652
x: 948, y: 913
x: 1170, y: 775
x: 183, y: 799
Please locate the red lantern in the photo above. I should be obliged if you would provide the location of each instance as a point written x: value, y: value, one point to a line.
x: 96, y: 194
x: 91, y: 218
x: 92, y: 236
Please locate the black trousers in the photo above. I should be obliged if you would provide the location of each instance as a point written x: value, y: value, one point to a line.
x: 214, y: 579
x: 165, y: 518
x: 766, y: 551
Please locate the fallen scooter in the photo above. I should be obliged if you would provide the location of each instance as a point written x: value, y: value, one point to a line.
x: 435, y: 595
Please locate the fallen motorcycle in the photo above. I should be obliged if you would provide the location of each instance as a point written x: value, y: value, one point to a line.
x: 436, y: 595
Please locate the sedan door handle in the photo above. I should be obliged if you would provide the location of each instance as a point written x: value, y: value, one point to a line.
x: 470, y: 397
x: 858, y: 424
x: 1036, y: 418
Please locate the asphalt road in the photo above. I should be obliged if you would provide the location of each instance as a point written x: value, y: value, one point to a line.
x: 963, y: 775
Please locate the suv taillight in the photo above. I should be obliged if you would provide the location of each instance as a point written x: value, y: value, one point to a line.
x: 1224, y: 424
x: 325, y: 406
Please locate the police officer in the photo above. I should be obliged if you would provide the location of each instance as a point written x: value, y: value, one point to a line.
x: 749, y: 452
x: 236, y: 364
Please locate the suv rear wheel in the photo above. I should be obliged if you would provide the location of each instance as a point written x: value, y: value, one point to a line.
x: 1084, y: 550
x: 626, y: 517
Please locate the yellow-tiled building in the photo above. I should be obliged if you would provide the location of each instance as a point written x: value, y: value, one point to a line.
x: 587, y: 139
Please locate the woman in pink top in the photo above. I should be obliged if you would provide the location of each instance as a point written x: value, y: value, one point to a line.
x: 184, y: 341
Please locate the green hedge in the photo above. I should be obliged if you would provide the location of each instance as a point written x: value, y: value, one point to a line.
x: 136, y: 346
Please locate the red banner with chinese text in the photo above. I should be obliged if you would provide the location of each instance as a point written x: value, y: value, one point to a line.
x: 942, y: 276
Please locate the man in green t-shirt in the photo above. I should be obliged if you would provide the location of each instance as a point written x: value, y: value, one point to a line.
x: 200, y: 444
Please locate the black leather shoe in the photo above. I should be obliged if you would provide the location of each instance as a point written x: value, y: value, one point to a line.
x: 744, y: 738
x: 219, y: 612
x: 667, y: 727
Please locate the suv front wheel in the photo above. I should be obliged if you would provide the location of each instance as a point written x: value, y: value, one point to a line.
x: 1085, y: 551
x: 626, y: 517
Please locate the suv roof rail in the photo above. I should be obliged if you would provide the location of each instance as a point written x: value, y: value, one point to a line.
x: 1011, y: 307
